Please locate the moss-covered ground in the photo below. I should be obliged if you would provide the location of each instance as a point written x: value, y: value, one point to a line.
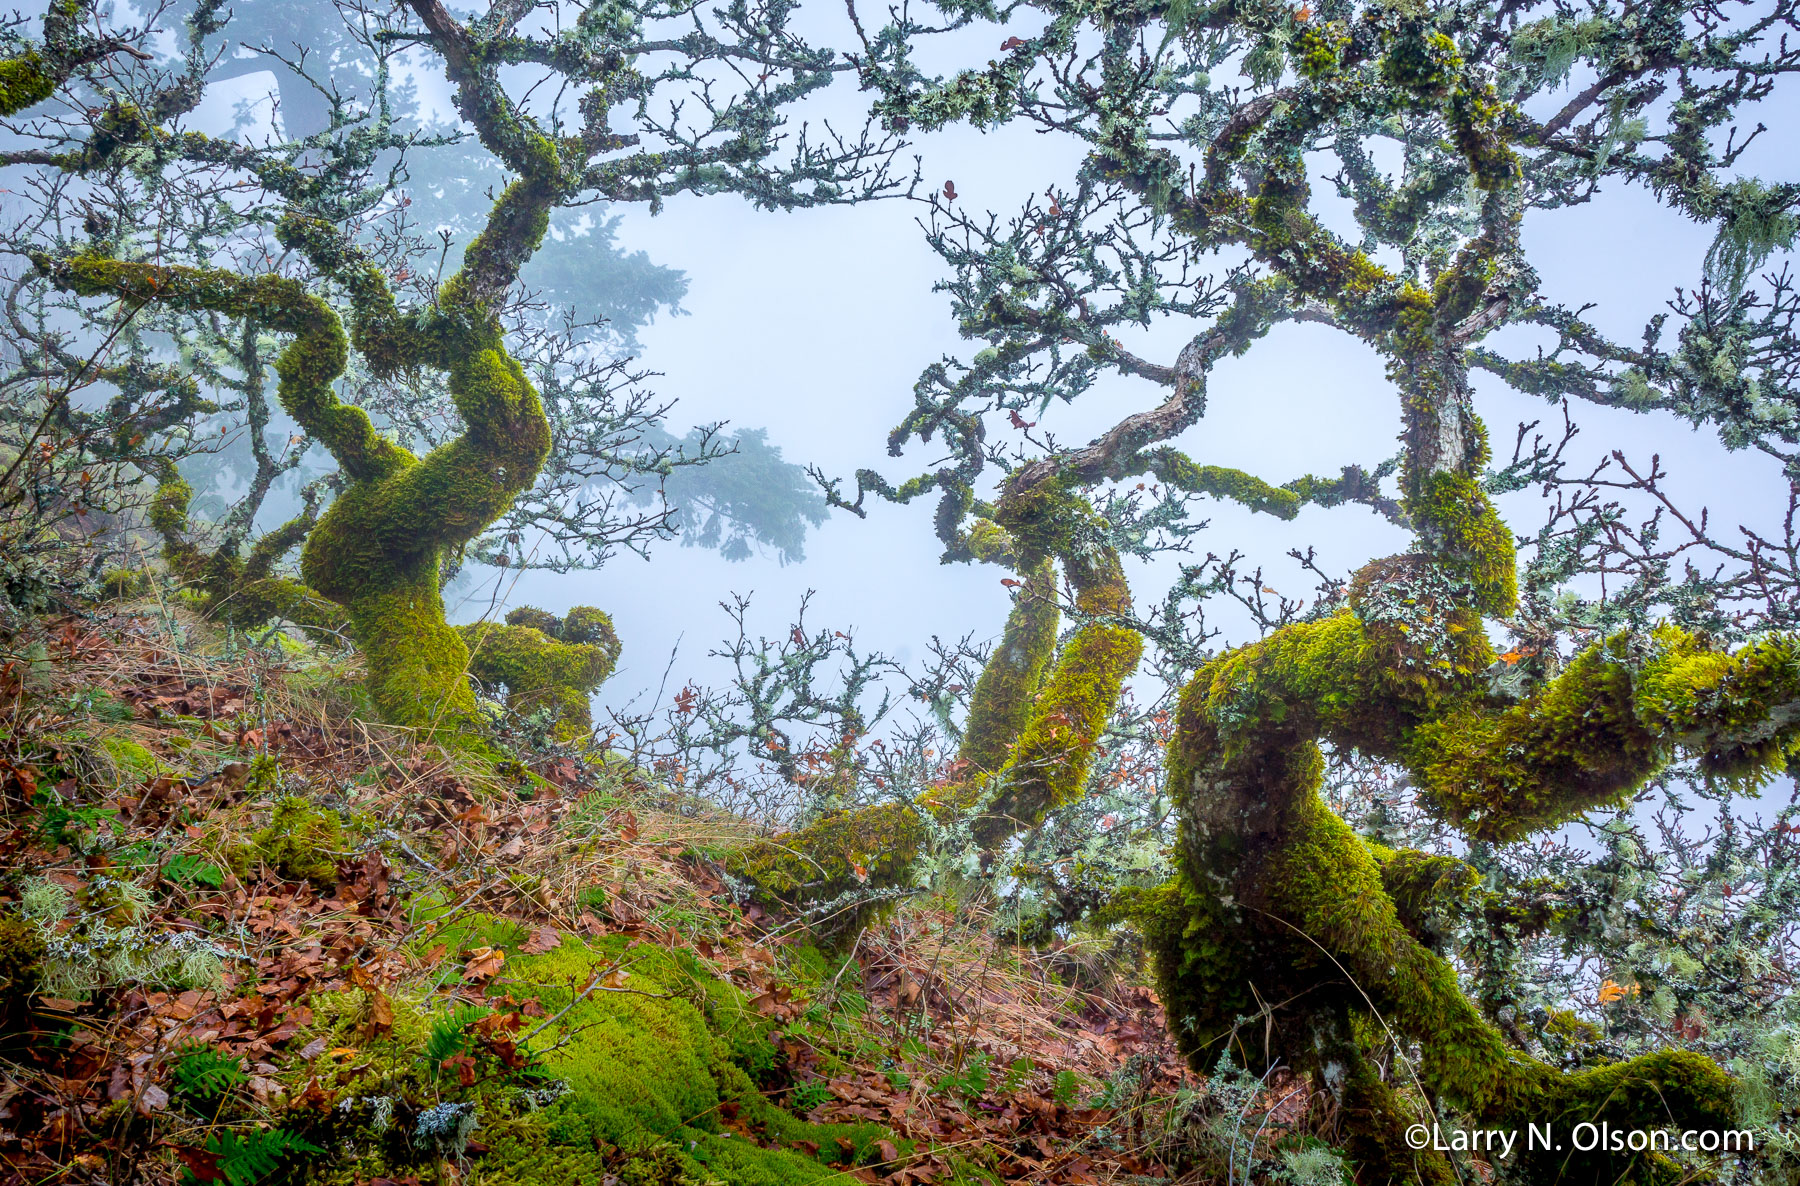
x: 246, y: 936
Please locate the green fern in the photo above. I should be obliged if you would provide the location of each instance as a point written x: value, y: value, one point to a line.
x: 205, y: 1073
x: 449, y: 1034
x: 248, y: 1158
x: 808, y: 1096
x: 188, y: 869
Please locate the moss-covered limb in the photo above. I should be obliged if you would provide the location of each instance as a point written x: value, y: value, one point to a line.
x: 1620, y: 712
x: 505, y: 131
x: 271, y: 546
x: 1278, y: 901
x: 1130, y: 446
x: 1429, y: 891
x: 1001, y: 702
x: 1049, y: 764
x: 237, y: 590
x: 1176, y: 469
x: 1035, y: 718
x: 545, y: 662
x: 1353, y: 484
x: 307, y: 366
x: 1297, y: 915
x: 1455, y: 520
x: 515, y: 227
x: 244, y: 593
x: 455, y: 491
x: 32, y: 75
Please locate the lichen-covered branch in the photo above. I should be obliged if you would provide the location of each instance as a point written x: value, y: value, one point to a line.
x: 31, y: 73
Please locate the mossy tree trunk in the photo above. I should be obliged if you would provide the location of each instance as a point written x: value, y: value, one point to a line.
x: 377, y: 550
x: 1281, y: 914
x: 1036, y: 713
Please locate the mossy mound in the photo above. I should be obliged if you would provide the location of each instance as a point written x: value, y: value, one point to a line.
x: 129, y: 759
x: 302, y: 842
x: 546, y: 662
x: 21, y: 966
x: 649, y: 1074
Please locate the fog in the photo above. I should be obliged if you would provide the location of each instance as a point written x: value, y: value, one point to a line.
x: 815, y: 324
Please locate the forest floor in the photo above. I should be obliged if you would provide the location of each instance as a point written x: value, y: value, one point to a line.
x: 182, y: 809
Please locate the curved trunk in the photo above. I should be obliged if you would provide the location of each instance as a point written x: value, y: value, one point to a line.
x: 1282, y: 914
x: 377, y: 550
x: 1035, y: 721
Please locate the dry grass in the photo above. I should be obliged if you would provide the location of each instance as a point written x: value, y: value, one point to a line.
x: 559, y: 845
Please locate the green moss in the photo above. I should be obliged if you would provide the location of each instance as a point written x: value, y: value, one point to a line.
x: 1423, y: 61
x: 1049, y: 764
x: 1316, y: 51
x: 1001, y: 702
x: 123, y: 584
x: 129, y: 758
x: 1569, y: 1029
x: 1609, y: 721
x: 1278, y: 901
x: 21, y: 962
x: 545, y: 662
x: 1465, y: 530
x: 1234, y: 485
x: 659, y: 1093
x: 1427, y: 890
x: 24, y: 81
x: 988, y: 541
x: 302, y: 842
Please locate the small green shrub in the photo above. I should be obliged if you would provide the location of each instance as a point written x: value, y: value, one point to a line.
x: 971, y: 1082
x: 450, y: 1034
x: 188, y: 869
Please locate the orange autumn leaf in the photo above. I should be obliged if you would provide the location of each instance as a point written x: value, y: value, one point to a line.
x: 483, y: 963
x: 1611, y: 991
